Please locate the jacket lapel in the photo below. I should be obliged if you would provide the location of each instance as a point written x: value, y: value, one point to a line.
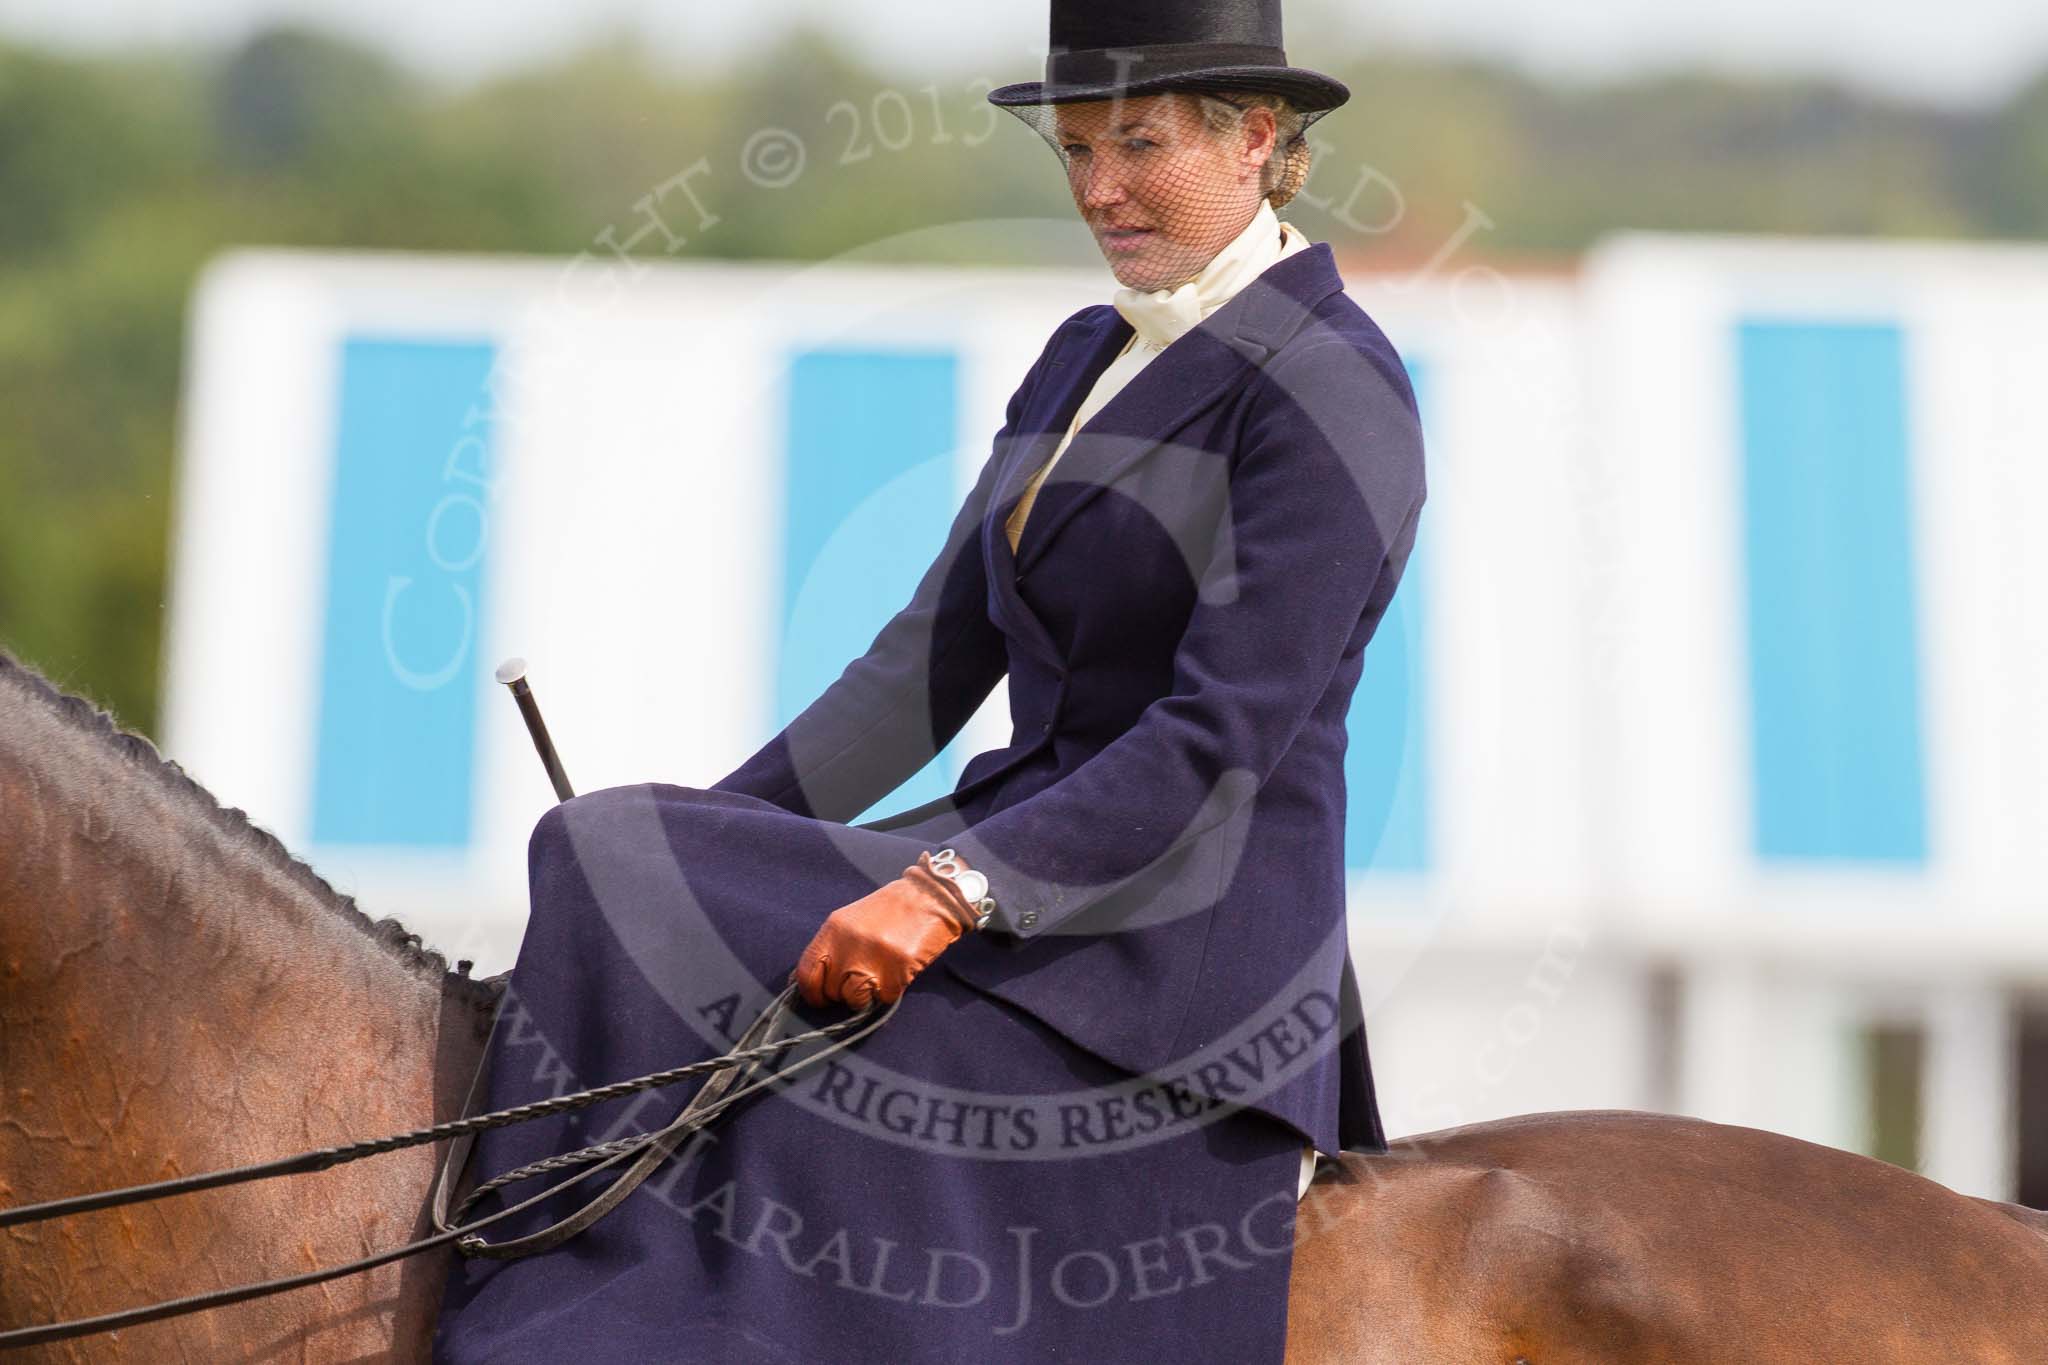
x: 1184, y: 381
x: 1082, y: 357
x: 1080, y: 361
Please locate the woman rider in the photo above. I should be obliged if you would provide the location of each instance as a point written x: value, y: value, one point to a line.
x: 1083, y: 1138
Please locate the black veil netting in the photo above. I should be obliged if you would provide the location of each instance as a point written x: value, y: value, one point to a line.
x: 1159, y: 176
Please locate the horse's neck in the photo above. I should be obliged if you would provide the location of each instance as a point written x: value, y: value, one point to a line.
x: 175, y: 998
x: 183, y: 957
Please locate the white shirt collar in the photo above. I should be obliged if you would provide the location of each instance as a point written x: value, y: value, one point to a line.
x: 1161, y: 316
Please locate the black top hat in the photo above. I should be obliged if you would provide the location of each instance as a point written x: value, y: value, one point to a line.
x: 1102, y: 48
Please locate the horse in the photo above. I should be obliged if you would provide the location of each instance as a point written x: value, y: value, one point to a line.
x: 182, y: 995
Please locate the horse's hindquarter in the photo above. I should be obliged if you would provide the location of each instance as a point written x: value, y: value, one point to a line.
x: 1621, y: 1236
x: 2034, y: 1220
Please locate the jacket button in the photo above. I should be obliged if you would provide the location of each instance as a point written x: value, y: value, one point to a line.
x: 1028, y: 918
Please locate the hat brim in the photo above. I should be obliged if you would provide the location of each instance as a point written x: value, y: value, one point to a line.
x: 1309, y: 91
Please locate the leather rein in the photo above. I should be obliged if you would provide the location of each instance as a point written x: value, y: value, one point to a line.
x: 713, y: 1098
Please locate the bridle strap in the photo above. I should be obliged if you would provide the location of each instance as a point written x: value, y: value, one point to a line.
x: 710, y: 1101
x: 220, y: 1298
x: 652, y: 1149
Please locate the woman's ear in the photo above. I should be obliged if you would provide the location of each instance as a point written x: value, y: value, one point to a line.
x: 1261, y: 132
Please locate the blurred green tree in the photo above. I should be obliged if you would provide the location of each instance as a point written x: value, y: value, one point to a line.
x: 295, y: 100
x: 120, y: 177
x: 2012, y: 182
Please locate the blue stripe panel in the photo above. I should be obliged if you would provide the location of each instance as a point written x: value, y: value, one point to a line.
x: 871, y: 494
x: 1834, y: 682
x: 1386, y: 779
x: 398, y: 671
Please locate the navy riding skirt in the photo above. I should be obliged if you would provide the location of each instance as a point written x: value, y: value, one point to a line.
x: 965, y: 1183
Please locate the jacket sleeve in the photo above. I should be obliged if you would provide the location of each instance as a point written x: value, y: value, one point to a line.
x: 893, y: 709
x: 1325, y: 493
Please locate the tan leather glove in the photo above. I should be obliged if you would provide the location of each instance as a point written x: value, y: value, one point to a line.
x: 871, y: 949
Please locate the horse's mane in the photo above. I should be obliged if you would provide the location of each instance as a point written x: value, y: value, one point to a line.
x: 92, y: 721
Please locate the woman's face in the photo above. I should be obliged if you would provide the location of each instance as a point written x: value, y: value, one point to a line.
x: 1160, y: 191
